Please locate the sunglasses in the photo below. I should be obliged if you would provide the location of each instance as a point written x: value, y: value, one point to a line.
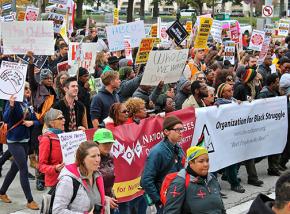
x: 59, y: 118
x: 124, y: 111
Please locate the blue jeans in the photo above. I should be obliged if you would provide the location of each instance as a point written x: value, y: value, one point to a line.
x: 19, y: 153
x: 138, y: 205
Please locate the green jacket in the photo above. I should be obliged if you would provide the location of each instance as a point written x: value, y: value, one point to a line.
x: 200, y: 197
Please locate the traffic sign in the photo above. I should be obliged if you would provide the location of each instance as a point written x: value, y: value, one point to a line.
x: 267, y: 11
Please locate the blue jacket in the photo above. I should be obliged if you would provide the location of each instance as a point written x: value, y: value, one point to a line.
x: 13, y: 115
x: 164, y: 158
x: 101, y: 103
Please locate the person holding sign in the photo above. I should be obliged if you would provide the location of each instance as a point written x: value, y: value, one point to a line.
x: 50, y: 156
x: 90, y: 197
x: 20, y: 118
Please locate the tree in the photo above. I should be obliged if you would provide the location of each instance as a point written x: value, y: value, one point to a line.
x: 79, y: 10
x: 130, y: 11
x: 142, y: 9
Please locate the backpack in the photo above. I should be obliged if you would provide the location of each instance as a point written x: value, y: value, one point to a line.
x: 48, y: 198
x: 166, y: 183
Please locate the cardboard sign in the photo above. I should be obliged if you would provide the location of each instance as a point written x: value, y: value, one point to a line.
x: 38, y: 61
x: 116, y: 16
x: 143, y: 52
x: 21, y: 16
x: 177, y: 32
x: 257, y: 40
x: 203, y: 33
x: 230, y: 51
x: 31, y: 13
x: 20, y: 37
x: 166, y: 65
x: 12, y: 80
x: 128, y: 48
x: 216, y: 31
x: 117, y: 33
x: 69, y: 143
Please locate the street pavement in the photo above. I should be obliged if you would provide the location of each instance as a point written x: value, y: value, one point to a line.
x: 236, y: 203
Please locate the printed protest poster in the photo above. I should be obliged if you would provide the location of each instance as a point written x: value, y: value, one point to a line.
x: 21, y: 16
x: 31, y: 13
x: 57, y: 15
x: 216, y: 31
x: 283, y: 28
x: 153, y: 31
x: 128, y: 48
x: 203, y: 33
x: 165, y: 65
x: 62, y: 66
x: 235, y: 31
x: 257, y: 39
x: 21, y: 37
x: 117, y: 33
x: 38, y: 61
x: 162, y: 32
x: 116, y: 16
x: 235, y: 132
x: 69, y: 143
x: 264, y: 50
x: 188, y: 27
x: 12, y: 80
x: 143, y: 52
x: 229, y: 51
x: 177, y: 32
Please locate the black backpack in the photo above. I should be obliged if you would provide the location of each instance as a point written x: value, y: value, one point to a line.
x: 48, y: 198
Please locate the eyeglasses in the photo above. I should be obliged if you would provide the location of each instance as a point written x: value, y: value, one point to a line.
x: 124, y: 111
x: 178, y: 129
x: 59, y: 118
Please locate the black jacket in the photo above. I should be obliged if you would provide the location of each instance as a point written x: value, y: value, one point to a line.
x: 262, y: 205
x: 84, y: 97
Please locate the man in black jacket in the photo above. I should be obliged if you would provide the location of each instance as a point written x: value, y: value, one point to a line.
x: 73, y: 110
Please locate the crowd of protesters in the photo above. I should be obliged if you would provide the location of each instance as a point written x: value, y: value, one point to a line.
x: 58, y: 102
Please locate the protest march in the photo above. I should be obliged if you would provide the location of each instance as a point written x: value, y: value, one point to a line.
x: 136, y: 118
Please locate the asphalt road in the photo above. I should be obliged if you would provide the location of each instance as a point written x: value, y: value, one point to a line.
x: 233, y: 201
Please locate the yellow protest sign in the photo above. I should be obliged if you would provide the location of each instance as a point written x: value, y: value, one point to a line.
x: 21, y: 15
x: 203, y: 32
x: 144, y: 50
x: 153, y: 31
x: 188, y: 27
x: 116, y: 16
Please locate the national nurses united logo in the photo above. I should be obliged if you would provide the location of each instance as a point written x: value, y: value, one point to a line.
x: 205, y: 140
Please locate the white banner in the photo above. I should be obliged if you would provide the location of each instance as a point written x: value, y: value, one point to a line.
x: 20, y: 37
x: 69, y: 143
x: 216, y: 31
x: 166, y: 65
x: 257, y: 40
x: 89, y: 52
x: 12, y: 79
x: 117, y: 33
x: 234, y: 133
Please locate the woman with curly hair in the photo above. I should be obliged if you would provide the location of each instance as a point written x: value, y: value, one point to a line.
x: 136, y: 109
x: 118, y: 115
x: 101, y: 63
x: 60, y: 79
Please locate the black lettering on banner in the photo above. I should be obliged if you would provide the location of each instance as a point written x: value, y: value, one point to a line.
x: 177, y: 32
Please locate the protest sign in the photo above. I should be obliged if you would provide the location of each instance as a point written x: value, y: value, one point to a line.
x: 20, y: 37
x: 131, y: 150
x: 177, y: 32
x: 283, y: 28
x: 117, y: 33
x: 62, y: 66
x: 57, y: 15
x: 164, y: 65
x: 116, y: 16
x: 63, y: 2
x: 162, y: 32
x: 203, y: 33
x: 38, y: 61
x: 98, y: 84
x: 257, y: 39
x: 264, y: 50
x: 143, y: 52
x: 128, y: 48
x: 188, y: 27
x: 216, y: 31
x: 233, y: 133
x: 153, y: 31
x: 31, y: 13
x: 235, y: 31
x: 87, y: 56
x: 12, y: 79
x: 21, y: 16
x: 69, y: 143
x: 229, y: 51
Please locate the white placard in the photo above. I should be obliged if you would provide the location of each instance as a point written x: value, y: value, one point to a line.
x: 216, y: 31
x: 166, y: 65
x: 12, y: 80
x: 69, y: 143
x: 237, y: 132
x: 117, y: 33
x: 230, y: 51
x: 283, y: 28
x: 89, y: 52
x: 128, y: 48
x: 257, y: 40
x: 31, y: 13
x: 57, y: 19
x: 20, y: 37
